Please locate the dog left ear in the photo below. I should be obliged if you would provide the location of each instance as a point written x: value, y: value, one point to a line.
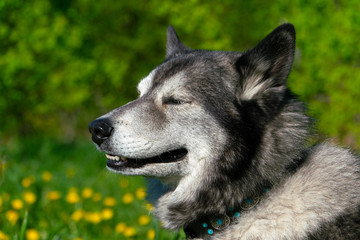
x: 173, y: 43
x: 264, y: 69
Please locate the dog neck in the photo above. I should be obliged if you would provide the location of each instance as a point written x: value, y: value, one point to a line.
x: 207, y: 226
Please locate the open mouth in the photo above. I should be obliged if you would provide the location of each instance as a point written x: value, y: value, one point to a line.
x: 118, y: 162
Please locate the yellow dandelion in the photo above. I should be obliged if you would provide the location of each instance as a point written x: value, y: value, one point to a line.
x: 32, y: 234
x: 93, y: 217
x: 3, y: 236
x: 149, y: 207
x: 12, y: 216
x: 26, y: 182
x: 17, y: 204
x: 87, y: 193
x: 97, y: 197
x: 109, y: 201
x: 29, y: 197
x: 120, y: 227
x: 46, y: 176
x: 77, y: 215
x: 151, y: 234
x: 124, y: 182
x: 140, y: 193
x: 107, y: 213
x: 53, y: 195
x: 72, y: 197
x: 144, y: 220
x: 128, y: 198
x: 129, y: 232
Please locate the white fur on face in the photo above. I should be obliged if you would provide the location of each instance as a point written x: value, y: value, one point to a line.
x: 172, y: 86
x: 139, y: 132
x: 146, y: 83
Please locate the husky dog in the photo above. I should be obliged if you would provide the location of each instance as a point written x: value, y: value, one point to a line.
x: 225, y: 142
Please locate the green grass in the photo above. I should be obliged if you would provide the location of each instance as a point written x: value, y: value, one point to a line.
x: 93, y: 203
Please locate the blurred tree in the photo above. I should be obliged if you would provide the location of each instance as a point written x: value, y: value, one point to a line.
x: 63, y: 63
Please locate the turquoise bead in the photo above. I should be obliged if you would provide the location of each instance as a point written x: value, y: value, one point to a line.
x: 210, y: 231
x: 219, y: 221
x: 237, y: 214
x: 204, y: 225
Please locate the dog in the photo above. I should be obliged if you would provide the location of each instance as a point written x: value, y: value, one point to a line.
x: 226, y: 147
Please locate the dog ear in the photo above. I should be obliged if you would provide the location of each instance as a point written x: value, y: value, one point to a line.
x: 173, y: 43
x: 264, y: 69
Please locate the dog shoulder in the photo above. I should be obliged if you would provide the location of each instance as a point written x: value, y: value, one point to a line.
x: 318, y: 196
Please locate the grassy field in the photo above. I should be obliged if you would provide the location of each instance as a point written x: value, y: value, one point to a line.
x: 51, y: 190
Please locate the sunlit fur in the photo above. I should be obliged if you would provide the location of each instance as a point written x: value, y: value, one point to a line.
x: 244, y: 130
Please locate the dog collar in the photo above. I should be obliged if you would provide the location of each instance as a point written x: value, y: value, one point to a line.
x: 208, y: 226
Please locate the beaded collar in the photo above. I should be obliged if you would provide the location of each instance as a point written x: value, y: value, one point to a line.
x: 206, y: 227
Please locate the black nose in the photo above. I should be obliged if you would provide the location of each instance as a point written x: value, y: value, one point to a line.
x: 101, y: 130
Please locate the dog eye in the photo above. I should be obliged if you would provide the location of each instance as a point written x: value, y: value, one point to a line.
x: 172, y: 101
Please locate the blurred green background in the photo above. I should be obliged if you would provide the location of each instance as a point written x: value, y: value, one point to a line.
x: 64, y: 63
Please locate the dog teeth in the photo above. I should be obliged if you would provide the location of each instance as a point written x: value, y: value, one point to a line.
x: 115, y: 158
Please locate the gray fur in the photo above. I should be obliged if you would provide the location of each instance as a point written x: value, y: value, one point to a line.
x: 323, y: 189
x: 212, y: 128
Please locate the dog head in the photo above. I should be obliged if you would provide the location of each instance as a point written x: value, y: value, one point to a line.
x: 199, y: 109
